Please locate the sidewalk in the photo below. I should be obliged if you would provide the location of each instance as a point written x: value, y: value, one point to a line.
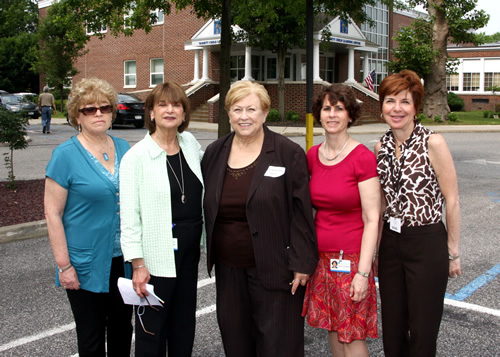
x: 39, y: 228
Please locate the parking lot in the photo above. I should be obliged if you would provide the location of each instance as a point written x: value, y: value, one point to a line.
x: 37, y: 321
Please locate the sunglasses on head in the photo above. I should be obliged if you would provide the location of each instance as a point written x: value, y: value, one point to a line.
x: 105, y: 109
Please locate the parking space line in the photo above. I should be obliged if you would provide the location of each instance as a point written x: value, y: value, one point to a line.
x: 474, y: 285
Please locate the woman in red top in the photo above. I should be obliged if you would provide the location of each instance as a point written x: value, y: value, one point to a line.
x: 345, y: 191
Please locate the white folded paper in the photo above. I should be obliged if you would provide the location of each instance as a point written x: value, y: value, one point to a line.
x: 130, y: 297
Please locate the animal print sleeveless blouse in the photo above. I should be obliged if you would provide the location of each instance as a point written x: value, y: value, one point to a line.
x: 410, y: 185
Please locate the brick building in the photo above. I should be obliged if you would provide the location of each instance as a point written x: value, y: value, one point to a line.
x: 185, y: 49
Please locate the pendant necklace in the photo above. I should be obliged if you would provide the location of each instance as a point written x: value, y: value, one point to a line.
x: 340, y: 152
x: 181, y: 187
x: 105, y: 155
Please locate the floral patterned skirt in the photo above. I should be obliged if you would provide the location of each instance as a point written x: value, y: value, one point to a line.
x: 328, y: 305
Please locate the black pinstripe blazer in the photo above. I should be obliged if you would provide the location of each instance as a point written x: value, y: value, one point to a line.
x: 278, y: 208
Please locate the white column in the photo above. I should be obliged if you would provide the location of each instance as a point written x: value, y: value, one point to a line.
x: 366, y: 66
x: 205, y: 65
x: 196, y: 75
x: 316, y: 61
x: 350, y: 71
x: 248, y: 64
x: 481, y: 76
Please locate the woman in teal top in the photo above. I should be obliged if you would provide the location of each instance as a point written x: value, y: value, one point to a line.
x: 82, y: 212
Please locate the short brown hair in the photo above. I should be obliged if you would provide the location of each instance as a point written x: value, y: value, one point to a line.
x: 241, y: 89
x: 87, y: 91
x: 337, y: 93
x: 171, y: 92
x: 398, y: 82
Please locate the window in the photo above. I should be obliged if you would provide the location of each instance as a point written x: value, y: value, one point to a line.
x: 271, y: 68
x: 326, y: 68
x: 237, y: 67
x: 256, y: 66
x: 471, y: 82
x: 156, y: 71
x: 159, y: 17
x: 130, y: 74
x: 101, y: 29
x: 452, y: 82
x: 491, y: 79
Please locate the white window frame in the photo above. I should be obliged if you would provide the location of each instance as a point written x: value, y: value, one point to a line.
x: 287, y: 58
x: 159, y: 15
x: 127, y: 75
x: 151, y: 73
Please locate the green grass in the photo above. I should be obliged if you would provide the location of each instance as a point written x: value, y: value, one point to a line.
x: 467, y: 118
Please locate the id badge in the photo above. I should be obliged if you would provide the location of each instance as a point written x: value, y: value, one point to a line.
x: 395, y: 224
x: 340, y: 265
x: 175, y: 244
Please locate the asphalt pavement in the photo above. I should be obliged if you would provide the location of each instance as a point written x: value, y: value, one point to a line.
x: 37, y: 321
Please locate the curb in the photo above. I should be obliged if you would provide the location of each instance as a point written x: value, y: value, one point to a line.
x: 23, y: 231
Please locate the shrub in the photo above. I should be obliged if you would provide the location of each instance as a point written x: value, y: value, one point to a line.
x: 453, y: 117
x: 437, y: 118
x: 292, y: 116
x: 421, y: 117
x: 455, y: 102
x: 273, y: 116
x: 486, y: 114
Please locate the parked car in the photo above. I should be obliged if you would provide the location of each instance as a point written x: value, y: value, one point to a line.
x: 16, y: 103
x: 27, y: 96
x: 2, y: 92
x: 130, y: 110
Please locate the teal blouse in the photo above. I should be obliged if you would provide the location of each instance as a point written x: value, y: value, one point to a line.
x: 91, y: 216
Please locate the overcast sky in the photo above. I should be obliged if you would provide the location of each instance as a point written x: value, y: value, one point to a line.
x: 492, y: 7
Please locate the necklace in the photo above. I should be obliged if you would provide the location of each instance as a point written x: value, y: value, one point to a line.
x: 181, y: 187
x: 338, y: 154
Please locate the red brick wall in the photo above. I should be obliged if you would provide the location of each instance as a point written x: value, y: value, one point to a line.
x: 105, y: 58
x: 474, y: 53
x: 469, y: 105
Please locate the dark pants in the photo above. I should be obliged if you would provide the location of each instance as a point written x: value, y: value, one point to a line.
x: 100, y: 314
x: 255, y: 321
x: 413, y: 273
x: 175, y: 322
x: 46, y: 117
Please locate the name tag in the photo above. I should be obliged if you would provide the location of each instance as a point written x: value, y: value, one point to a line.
x: 395, y: 224
x: 340, y: 265
x: 275, y: 171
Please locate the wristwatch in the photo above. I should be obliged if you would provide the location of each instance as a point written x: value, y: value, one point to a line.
x: 365, y: 275
x: 62, y: 270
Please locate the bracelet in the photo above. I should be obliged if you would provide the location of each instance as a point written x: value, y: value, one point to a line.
x: 139, y: 267
x: 62, y: 270
x: 365, y: 275
x: 453, y: 257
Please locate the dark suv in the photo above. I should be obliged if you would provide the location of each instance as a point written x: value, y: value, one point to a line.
x: 18, y: 104
x: 130, y: 110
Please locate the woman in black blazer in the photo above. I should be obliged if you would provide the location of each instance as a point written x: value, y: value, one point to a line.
x: 260, y: 230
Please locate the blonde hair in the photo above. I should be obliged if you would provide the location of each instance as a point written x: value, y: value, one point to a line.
x: 89, y: 90
x: 241, y: 89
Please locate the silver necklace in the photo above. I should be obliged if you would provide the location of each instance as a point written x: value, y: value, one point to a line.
x: 181, y: 187
x: 340, y: 152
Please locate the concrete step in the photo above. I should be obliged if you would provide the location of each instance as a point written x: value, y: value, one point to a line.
x: 200, y: 114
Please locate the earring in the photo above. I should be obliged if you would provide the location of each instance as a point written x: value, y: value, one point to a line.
x: 382, y: 116
x: 79, y: 128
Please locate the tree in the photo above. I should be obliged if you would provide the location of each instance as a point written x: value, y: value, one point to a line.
x: 18, y: 45
x: 449, y: 20
x: 63, y: 36
x: 279, y: 25
x: 12, y: 132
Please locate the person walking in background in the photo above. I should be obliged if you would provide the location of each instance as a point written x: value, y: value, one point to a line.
x: 260, y: 230
x: 82, y: 212
x: 417, y: 252
x: 46, y: 103
x: 161, y: 189
x: 345, y: 192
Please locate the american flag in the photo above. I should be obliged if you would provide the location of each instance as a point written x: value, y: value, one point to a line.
x: 369, y: 80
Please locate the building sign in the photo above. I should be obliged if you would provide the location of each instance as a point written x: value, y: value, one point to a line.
x: 346, y: 41
x: 344, y: 26
x: 205, y: 43
x: 217, y: 28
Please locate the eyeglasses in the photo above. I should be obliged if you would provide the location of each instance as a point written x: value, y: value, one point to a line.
x: 105, y: 109
x: 140, y: 311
